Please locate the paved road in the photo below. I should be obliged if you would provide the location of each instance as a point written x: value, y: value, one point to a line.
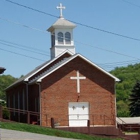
x: 18, y: 135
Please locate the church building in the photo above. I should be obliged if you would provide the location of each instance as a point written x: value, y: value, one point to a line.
x: 69, y: 88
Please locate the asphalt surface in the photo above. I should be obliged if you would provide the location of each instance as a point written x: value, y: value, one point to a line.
x: 19, y: 135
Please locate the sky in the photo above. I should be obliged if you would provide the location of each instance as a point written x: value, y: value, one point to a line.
x: 107, y: 32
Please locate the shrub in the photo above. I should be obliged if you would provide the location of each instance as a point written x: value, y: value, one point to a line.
x: 6, y: 113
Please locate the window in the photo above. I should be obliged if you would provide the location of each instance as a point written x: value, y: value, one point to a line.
x: 67, y: 38
x: 60, y: 38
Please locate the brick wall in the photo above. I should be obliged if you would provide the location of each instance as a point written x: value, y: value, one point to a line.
x: 57, y: 90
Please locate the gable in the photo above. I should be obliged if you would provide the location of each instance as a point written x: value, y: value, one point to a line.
x: 94, y: 78
x: 64, y: 62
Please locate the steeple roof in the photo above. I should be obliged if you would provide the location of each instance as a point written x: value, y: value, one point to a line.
x: 62, y: 23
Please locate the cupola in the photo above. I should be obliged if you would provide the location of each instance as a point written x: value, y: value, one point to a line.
x: 61, y: 35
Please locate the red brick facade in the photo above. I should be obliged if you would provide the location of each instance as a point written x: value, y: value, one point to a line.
x: 51, y: 97
x: 57, y: 90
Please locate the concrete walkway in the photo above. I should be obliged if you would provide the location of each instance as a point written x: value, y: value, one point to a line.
x: 19, y: 135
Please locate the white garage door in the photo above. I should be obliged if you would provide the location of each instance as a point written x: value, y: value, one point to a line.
x: 78, y: 113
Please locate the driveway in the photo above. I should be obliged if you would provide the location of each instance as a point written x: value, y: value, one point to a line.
x: 19, y: 135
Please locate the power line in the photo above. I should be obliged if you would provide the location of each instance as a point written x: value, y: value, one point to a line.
x: 105, y: 65
x: 75, y: 41
x: 117, y: 64
x: 131, y: 3
x: 31, y: 8
x: 23, y: 25
x: 26, y: 26
x: 122, y: 62
x: 21, y: 54
x: 84, y: 25
x: 23, y: 49
x: 107, y: 50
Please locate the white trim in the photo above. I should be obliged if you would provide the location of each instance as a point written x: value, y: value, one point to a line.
x: 78, y: 78
x: 74, y: 56
x: 66, y: 51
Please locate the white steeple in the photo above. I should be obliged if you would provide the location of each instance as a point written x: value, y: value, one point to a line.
x: 61, y: 35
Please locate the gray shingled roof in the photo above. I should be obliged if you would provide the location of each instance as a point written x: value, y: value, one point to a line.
x: 63, y: 23
x: 27, y: 75
x: 30, y: 74
x: 61, y: 62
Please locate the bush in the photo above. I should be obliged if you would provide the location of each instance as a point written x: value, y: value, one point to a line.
x: 6, y: 113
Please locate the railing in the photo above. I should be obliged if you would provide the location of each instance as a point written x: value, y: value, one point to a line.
x: 55, y: 120
x: 128, y: 127
x: 74, y: 119
x: 19, y: 115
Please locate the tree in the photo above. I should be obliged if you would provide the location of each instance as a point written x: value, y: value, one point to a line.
x: 134, y: 106
x: 5, y: 81
x: 122, y: 109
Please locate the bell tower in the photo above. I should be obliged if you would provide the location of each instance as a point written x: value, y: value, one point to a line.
x: 61, y: 35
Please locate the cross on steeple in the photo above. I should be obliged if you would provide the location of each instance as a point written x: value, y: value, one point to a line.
x: 61, y: 8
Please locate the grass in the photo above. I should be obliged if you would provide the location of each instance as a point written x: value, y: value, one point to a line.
x: 49, y: 131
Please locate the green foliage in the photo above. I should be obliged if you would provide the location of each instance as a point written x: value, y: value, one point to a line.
x: 5, y: 113
x: 5, y: 81
x: 135, y: 100
x: 2, y: 103
x: 129, y: 76
x: 122, y: 108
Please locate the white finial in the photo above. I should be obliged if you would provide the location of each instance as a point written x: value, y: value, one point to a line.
x: 61, y: 8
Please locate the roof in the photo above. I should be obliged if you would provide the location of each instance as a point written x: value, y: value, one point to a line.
x: 2, y: 70
x: 54, y: 68
x: 62, y: 23
x: 128, y: 120
x: 37, y: 69
x: 65, y: 61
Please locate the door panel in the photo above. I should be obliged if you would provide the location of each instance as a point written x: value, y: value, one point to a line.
x: 78, y: 113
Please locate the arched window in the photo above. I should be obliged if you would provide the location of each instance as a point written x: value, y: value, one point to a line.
x: 60, y: 38
x: 67, y: 38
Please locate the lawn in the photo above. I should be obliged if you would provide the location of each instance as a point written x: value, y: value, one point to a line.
x: 49, y: 131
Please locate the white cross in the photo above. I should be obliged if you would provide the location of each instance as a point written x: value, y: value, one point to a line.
x: 78, y: 78
x: 61, y: 8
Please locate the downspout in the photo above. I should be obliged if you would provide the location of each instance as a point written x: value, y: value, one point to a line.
x: 39, y: 90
